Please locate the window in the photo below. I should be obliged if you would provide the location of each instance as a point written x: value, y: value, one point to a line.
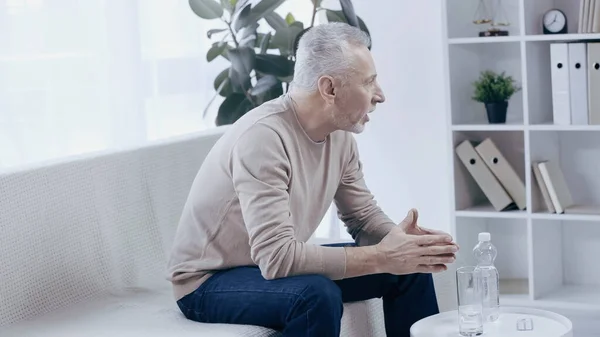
x: 80, y: 76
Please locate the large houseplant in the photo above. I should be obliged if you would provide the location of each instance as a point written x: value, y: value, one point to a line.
x: 262, y: 64
x: 494, y: 91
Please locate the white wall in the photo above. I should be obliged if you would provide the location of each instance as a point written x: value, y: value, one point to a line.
x: 405, y: 146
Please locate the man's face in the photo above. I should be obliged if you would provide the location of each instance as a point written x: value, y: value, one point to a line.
x: 358, y: 97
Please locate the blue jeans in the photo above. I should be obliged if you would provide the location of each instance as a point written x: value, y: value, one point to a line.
x: 307, y: 305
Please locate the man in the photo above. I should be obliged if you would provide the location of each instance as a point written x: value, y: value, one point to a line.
x: 240, y: 254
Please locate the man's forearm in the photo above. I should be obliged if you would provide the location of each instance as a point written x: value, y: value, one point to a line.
x: 373, y: 232
x: 362, y: 261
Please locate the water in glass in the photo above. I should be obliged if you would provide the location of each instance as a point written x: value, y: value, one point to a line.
x: 470, y: 320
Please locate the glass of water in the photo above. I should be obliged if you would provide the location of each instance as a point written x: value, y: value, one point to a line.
x: 470, y: 308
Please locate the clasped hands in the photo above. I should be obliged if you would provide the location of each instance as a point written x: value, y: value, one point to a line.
x: 409, y: 248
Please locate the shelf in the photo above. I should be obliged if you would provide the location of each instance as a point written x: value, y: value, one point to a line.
x: 460, y: 15
x: 566, y: 217
x: 545, y: 260
x: 573, y: 296
x: 533, y: 12
x: 491, y: 39
x: 526, y: 38
x: 510, y: 238
x: 564, y: 254
x: 569, y: 297
x: 489, y: 127
x: 469, y: 198
x: 578, y: 157
x: 514, y: 288
x: 562, y: 37
x: 552, y: 127
x: 487, y: 211
x: 467, y: 62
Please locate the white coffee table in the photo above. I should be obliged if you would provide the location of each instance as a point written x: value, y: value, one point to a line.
x: 545, y: 324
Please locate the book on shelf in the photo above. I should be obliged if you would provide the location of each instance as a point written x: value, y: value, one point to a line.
x: 555, y: 192
x: 575, y: 77
x: 494, y: 175
x: 589, y: 16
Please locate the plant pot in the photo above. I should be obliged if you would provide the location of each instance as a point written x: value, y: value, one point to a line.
x: 496, y: 112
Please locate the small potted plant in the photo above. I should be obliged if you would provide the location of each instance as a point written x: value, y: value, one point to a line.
x: 494, y: 90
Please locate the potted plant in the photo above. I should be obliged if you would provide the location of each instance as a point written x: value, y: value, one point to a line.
x: 494, y: 90
x: 262, y: 64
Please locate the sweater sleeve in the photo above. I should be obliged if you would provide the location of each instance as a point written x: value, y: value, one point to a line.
x: 261, y: 173
x: 356, y: 205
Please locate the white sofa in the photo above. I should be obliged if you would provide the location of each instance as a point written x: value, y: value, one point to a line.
x: 83, y: 245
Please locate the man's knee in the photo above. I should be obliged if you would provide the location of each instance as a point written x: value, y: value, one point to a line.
x: 320, y: 291
x: 418, y: 284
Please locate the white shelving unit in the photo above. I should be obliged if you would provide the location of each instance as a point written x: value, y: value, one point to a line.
x: 545, y: 260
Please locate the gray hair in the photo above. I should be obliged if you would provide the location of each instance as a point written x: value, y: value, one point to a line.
x: 325, y: 50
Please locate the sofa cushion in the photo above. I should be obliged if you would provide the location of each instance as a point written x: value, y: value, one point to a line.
x: 150, y: 313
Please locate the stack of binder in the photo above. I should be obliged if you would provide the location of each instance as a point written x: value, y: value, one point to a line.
x: 555, y: 191
x: 495, y: 176
x: 589, y: 16
x: 575, y: 82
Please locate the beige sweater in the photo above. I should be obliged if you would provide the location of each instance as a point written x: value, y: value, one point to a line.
x: 261, y: 193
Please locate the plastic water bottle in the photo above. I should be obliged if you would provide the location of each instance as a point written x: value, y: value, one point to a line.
x: 485, y: 254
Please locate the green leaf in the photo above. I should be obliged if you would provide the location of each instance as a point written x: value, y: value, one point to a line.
x: 222, y: 81
x: 248, y: 35
x: 275, y: 21
x: 242, y: 63
x: 338, y: 16
x: 239, y: 5
x: 217, y: 49
x: 264, y: 42
x: 297, y: 40
x: 210, y: 33
x: 264, y: 84
x: 492, y: 87
x: 349, y: 13
x: 289, y: 18
x: 232, y: 108
x: 297, y: 24
x: 276, y: 65
x: 206, y: 9
x: 226, y: 4
x: 363, y: 26
x: 275, y: 92
x: 243, y: 19
x: 284, y: 38
x: 335, y: 16
x: 317, y: 3
x: 263, y: 8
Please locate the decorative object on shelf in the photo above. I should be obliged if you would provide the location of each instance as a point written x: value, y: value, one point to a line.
x: 482, y: 14
x: 262, y: 64
x: 498, y: 18
x: 495, y: 90
x: 499, y: 21
x: 554, y: 22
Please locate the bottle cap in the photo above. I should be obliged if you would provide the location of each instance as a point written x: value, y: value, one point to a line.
x: 485, y: 236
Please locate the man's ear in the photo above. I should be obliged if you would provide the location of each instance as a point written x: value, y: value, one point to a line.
x: 327, y: 88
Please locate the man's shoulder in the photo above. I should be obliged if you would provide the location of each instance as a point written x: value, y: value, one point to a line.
x: 264, y: 126
x: 267, y: 118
